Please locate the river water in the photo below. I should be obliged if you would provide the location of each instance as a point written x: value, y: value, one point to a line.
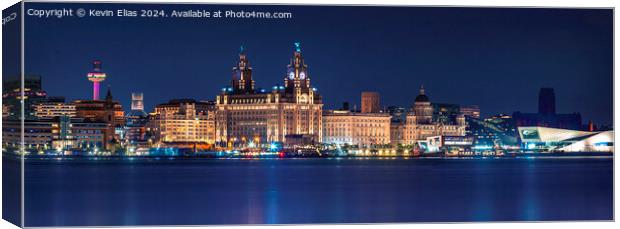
x: 117, y: 192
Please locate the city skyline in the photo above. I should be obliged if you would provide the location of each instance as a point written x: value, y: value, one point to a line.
x: 200, y: 64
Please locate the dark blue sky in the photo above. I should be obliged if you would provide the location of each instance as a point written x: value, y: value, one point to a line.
x: 492, y: 57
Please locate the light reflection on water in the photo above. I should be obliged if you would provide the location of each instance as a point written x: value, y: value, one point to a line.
x: 280, y: 191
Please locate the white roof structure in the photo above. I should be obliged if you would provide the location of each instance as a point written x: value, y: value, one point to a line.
x: 575, y: 140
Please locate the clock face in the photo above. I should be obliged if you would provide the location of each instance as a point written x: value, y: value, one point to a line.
x: 291, y: 75
x: 302, y: 75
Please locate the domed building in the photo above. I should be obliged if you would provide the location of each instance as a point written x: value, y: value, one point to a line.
x: 422, y: 108
x: 420, y: 124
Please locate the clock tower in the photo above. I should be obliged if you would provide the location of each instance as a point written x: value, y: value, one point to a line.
x: 242, y: 81
x: 297, y: 80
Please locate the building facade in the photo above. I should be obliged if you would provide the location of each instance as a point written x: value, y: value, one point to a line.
x: 54, y: 109
x: 352, y: 128
x: 187, y: 125
x: 246, y: 115
x: 420, y: 124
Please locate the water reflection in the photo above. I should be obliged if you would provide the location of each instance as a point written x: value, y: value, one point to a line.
x: 176, y: 192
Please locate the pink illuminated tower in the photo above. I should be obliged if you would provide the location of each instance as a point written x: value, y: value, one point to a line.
x: 96, y: 76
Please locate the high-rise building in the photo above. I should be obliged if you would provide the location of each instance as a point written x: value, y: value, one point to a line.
x: 362, y: 129
x: 12, y: 95
x: 135, y: 130
x: 546, y: 101
x: 370, y: 102
x: 96, y: 76
x: 247, y: 115
x: 137, y: 102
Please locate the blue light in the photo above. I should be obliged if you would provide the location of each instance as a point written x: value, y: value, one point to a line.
x: 297, y: 46
x: 314, y: 89
x: 281, y: 87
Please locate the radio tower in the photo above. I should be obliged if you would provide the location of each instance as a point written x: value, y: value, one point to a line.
x: 96, y: 76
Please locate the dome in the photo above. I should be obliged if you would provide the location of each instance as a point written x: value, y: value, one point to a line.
x: 422, y: 97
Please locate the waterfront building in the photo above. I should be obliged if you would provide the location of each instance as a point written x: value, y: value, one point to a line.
x: 135, y: 130
x: 187, y: 127
x: 174, y: 105
x: 470, y: 111
x: 249, y: 116
x: 420, y: 124
x: 56, y: 134
x: 397, y: 132
x: 497, y: 131
x: 564, y: 140
x: 12, y: 95
x: 353, y: 128
x: 370, y: 102
x: 107, y: 111
x: 54, y: 107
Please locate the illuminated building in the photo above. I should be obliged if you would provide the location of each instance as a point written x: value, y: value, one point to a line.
x: 6, y: 110
x: 174, y: 105
x: 495, y: 131
x: 96, y: 76
x: 397, y: 132
x: 54, y: 107
x: 153, y: 125
x: 420, y: 124
x: 107, y: 111
x: 246, y: 115
x: 187, y: 126
x: 362, y: 129
x: 12, y: 95
x: 445, y: 113
x: 135, y: 121
x: 470, y: 111
x: 564, y: 140
x: 59, y: 133
x: 370, y: 102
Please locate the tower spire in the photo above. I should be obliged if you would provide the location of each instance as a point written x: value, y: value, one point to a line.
x: 109, y: 94
x: 422, y: 89
x: 297, y: 46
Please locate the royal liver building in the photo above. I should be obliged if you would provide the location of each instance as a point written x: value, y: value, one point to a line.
x: 291, y: 113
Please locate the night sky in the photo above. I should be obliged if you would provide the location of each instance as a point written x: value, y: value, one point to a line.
x: 492, y: 57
